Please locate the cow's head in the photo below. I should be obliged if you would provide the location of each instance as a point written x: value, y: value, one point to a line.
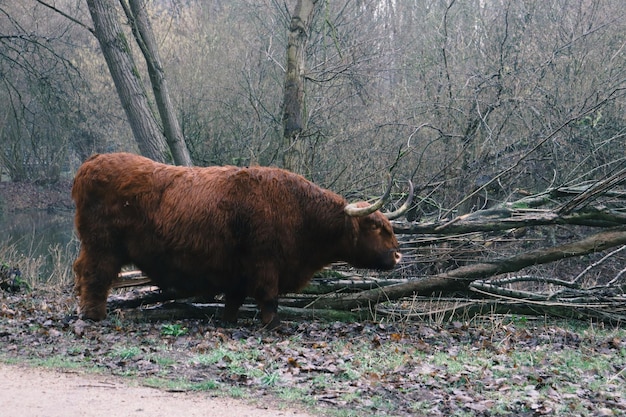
x: 375, y: 244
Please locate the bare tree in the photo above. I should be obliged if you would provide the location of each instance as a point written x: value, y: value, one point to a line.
x: 144, y: 35
x: 293, y: 103
x: 126, y: 76
x: 40, y: 90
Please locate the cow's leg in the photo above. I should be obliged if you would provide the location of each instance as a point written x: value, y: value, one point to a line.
x: 233, y: 300
x: 266, y: 296
x: 95, y: 273
x: 269, y: 313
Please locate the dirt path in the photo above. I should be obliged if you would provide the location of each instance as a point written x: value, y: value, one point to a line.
x: 32, y: 392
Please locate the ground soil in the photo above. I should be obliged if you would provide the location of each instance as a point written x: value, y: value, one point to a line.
x: 31, y: 392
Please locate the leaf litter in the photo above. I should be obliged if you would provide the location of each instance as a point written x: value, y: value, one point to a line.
x: 491, y: 366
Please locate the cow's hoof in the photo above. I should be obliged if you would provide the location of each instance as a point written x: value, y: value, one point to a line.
x: 273, y: 324
x: 93, y: 313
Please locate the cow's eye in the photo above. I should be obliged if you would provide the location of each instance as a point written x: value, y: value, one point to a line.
x: 374, y: 226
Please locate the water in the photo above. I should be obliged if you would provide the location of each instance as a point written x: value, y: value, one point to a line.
x: 32, y: 234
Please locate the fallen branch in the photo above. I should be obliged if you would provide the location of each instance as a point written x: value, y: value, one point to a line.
x: 599, y: 188
x: 504, y: 218
x: 461, y: 277
x: 595, y: 264
x: 446, y: 309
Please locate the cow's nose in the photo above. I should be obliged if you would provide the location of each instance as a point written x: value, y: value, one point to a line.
x: 398, y: 257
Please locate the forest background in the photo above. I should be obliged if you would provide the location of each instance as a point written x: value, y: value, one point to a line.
x: 449, y: 94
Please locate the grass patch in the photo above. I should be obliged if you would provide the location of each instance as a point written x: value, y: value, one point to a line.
x: 126, y: 352
x: 31, y: 269
x: 174, y: 330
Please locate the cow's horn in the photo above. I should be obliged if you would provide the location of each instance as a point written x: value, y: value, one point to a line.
x: 355, y: 211
x: 404, y: 207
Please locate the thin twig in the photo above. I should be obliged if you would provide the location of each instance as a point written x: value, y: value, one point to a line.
x: 593, y: 265
x: 617, y: 277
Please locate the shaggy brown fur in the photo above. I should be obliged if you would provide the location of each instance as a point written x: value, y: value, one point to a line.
x: 256, y: 232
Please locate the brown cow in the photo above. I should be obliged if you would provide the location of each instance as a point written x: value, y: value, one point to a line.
x: 256, y: 232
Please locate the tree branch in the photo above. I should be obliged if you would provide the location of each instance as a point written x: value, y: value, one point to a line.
x: 67, y: 16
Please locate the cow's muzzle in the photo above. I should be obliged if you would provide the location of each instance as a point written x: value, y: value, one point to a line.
x: 397, y: 256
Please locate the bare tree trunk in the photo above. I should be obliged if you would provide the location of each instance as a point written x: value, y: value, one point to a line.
x: 145, y: 38
x: 125, y: 74
x: 293, y: 102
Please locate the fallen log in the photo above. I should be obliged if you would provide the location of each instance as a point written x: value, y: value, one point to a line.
x: 509, y: 217
x: 177, y: 310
